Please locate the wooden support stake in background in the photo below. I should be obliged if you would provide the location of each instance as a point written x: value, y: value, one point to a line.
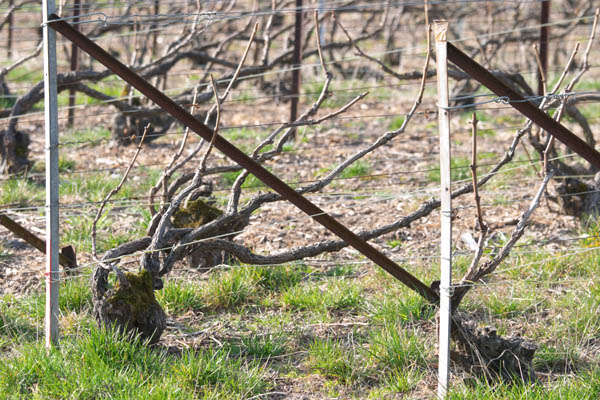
x: 156, y: 30
x: 51, y: 125
x: 74, y: 65
x: 544, y: 18
x: 297, y: 63
x: 440, y: 29
x: 9, y: 23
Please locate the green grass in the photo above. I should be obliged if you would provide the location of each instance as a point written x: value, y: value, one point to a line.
x: 335, y: 360
x: 20, y: 320
x: 91, y: 187
x: 355, y: 170
x: 397, y: 349
x: 459, y: 170
x: 332, y: 295
x: 250, y: 182
x: 230, y: 288
x: 396, y: 123
x: 354, y: 330
x: 261, y: 346
x: 7, y: 101
x: 102, y: 364
x: 180, y: 297
x: 402, y: 309
x: 75, y: 296
x: 23, y: 74
x: 65, y: 165
x: 93, y: 135
x: 20, y: 192
x: 583, y: 386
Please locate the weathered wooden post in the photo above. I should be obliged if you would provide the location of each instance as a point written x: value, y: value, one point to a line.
x: 544, y: 18
x: 297, y: 57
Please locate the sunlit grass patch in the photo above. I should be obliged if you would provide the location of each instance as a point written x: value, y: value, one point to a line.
x: 216, y: 374
x: 334, y: 294
x: 334, y: 360
x: 103, y: 363
x: 179, y: 297
x: 20, y: 320
x: 92, y: 136
x: 75, y: 294
x: 230, y: 288
x: 261, y: 345
x: 584, y: 386
x: 20, y: 192
x: 404, y: 309
x: 393, y: 348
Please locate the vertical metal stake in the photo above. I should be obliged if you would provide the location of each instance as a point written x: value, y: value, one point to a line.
x: 51, y: 118
x: 74, y: 64
x: 297, y: 57
x: 440, y: 29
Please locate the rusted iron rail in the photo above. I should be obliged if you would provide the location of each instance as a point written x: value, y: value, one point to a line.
x: 525, y: 107
x: 66, y: 257
x: 74, y: 66
x: 241, y: 158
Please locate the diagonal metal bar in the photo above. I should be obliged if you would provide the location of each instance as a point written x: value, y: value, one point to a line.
x: 241, y: 158
x: 66, y: 257
x: 525, y: 107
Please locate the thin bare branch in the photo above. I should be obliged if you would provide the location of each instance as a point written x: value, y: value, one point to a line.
x: 22, y: 60
x: 318, y: 38
x: 473, y: 166
x: 115, y: 191
x: 475, y: 275
x: 236, y: 74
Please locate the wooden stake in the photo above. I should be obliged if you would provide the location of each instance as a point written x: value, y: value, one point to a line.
x: 297, y: 60
x: 9, y: 38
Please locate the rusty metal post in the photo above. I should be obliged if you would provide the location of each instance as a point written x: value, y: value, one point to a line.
x: 544, y: 30
x: 297, y: 64
x: 528, y: 109
x: 66, y: 257
x: 242, y: 159
x: 74, y: 65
